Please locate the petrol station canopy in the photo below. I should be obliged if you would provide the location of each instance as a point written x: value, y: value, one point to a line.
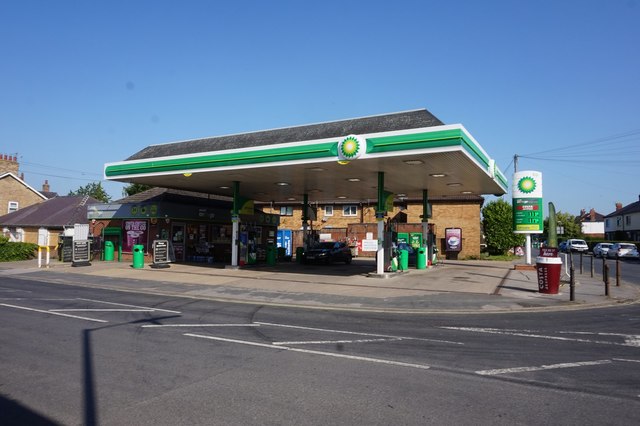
x: 332, y: 161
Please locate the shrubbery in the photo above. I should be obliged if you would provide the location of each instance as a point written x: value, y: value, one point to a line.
x: 16, y: 251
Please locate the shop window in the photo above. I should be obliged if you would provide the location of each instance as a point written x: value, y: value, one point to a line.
x: 13, y: 206
x: 350, y: 210
x: 286, y: 211
x: 328, y: 210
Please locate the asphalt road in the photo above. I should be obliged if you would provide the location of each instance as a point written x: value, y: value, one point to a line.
x: 629, y: 269
x: 73, y: 355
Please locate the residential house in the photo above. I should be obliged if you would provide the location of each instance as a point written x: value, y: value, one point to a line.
x: 623, y: 223
x: 591, y: 223
x: 15, y: 193
x: 46, y: 220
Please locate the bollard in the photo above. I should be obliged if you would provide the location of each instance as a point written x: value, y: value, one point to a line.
x: 572, y: 284
x: 617, y: 271
x: 591, y: 266
x: 606, y: 280
x: 580, y: 263
x: 604, y: 265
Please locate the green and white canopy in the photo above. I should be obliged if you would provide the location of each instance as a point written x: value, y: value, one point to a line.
x: 338, y: 160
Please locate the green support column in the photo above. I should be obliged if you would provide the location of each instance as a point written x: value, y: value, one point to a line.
x: 235, y: 219
x: 305, y: 218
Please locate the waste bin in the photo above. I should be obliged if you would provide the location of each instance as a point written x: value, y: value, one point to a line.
x: 299, y: 254
x: 403, y: 260
x: 271, y: 255
x: 549, y: 269
x: 138, y: 256
x: 108, y: 251
x: 421, y: 258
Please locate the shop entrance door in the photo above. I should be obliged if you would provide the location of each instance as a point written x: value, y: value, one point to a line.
x: 178, y: 240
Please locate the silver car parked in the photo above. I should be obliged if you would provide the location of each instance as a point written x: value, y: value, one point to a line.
x: 623, y: 251
x: 601, y: 249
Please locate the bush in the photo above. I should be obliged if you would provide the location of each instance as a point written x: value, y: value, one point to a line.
x: 16, y: 251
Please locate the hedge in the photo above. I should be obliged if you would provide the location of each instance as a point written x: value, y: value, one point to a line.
x: 16, y: 251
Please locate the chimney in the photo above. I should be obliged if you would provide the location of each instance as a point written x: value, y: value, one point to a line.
x: 618, y: 206
x: 592, y: 214
x: 582, y: 212
x: 8, y: 164
x: 45, y: 186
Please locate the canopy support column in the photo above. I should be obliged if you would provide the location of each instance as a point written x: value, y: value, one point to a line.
x: 380, y: 219
x: 305, y: 219
x: 235, y: 223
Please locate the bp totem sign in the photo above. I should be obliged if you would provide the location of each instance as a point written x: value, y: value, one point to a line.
x: 528, y: 217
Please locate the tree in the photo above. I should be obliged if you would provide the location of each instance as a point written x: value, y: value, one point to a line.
x: 134, y: 188
x: 93, y: 189
x: 569, y: 224
x: 497, y: 222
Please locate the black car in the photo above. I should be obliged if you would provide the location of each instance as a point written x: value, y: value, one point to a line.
x: 328, y: 252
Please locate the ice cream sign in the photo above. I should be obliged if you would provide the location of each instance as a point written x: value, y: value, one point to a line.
x: 528, y: 217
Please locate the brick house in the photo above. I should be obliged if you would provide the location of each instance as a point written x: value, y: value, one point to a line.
x: 48, y: 218
x: 623, y: 223
x: 15, y: 193
x: 351, y: 221
x: 591, y: 223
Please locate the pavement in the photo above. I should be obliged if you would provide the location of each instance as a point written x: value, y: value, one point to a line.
x: 449, y: 287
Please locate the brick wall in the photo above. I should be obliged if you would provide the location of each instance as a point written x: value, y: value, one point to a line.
x: 464, y: 214
x: 13, y: 190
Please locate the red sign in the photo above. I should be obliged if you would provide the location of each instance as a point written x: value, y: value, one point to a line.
x: 548, y: 252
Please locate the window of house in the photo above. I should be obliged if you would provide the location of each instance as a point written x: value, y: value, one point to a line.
x: 627, y: 220
x: 13, y: 206
x: 286, y: 211
x: 349, y: 210
x: 328, y: 210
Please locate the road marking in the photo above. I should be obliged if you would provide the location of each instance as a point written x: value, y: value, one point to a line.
x: 528, y: 333
x: 626, y: 360
x: 541, y: 367
x: 324, y: 342
x: 307, y: 351
x: 358, y: 333
x: 51, y: 313
x: 200, y: 325
x: 629, y: 339
x: 102, y: 310
x: 130, y: 306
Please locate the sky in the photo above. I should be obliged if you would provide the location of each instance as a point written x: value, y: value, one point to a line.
x: 555, y: 82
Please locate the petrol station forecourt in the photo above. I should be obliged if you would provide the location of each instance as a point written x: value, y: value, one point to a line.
x: 363, y: 159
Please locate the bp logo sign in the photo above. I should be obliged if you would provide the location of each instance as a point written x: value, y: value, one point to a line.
x: 351, y: 148
x: 527, y: 185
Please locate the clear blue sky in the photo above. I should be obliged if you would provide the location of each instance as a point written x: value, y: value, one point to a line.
x: 557, y: 82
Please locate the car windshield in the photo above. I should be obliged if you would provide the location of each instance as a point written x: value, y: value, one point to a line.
x: 580, y: 242
x: 627, y: 246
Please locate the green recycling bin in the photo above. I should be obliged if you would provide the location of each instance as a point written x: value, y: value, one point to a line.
x: 299, y: 254
x: 138, y: 256
x: 403, y: 260
x: 271, y: 255
x: 108, y: 251
x: 421, y: 258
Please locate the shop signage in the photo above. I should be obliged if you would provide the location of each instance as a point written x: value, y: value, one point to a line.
x: 135, y: 232
x: 453, y: 239
x: 528, y: 217
x: 548, y: 252
x: 161, y: 251
x: 81, y: 251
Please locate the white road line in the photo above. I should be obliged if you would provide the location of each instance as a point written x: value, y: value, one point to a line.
x: 199, y: 325
x: 52, y: 313
x: 130, y: 306
x: 541, y: 336
x: 358, y: 333
x: 306, y: 351
x: 101, y: 310
x: 324, y: 342
x: 541, y: 367
x: 626, y: 360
